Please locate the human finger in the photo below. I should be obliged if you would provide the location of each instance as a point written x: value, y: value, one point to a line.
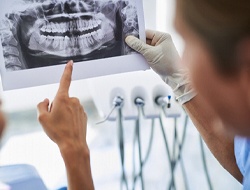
x: 150, y: 34
x: 156, y: 37
x: 66, y: 79
x: 42, y: 110
x: 148, y: 41
x: 75, y: 102
x: 137, y: 44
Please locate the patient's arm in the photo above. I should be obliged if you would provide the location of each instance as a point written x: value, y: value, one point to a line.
x: 65, y: 122
x: 77, y: 162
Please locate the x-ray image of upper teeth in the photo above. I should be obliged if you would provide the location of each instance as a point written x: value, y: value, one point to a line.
x: 38, y: 33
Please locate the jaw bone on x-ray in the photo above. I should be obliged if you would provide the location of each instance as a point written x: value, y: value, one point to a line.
x: 40, y: 33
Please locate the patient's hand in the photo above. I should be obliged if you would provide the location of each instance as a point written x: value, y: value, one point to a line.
x: 65, y: 120
x: 65, y: 123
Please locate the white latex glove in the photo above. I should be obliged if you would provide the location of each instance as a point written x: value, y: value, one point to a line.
x: 163, y: 58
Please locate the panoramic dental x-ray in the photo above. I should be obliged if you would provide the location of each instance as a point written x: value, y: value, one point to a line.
x: 38, y: 33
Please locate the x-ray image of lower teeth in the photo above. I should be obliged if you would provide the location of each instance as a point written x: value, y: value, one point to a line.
x: 38, y: 33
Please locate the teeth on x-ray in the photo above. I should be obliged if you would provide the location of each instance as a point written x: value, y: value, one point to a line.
x: 83, y: 32
x: 59, y: 30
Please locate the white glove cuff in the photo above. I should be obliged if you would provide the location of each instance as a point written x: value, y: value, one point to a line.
x: 186, y: 97
x: 182, y: 89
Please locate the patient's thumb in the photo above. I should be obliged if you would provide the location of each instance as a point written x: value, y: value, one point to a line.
x: 43, y: 110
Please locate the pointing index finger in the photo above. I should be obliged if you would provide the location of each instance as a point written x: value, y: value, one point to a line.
x: 66, y: 79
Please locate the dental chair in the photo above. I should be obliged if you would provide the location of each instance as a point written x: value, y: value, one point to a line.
x: 21, y: 177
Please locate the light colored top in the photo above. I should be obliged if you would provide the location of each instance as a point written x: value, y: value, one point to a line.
x: 242, y: 155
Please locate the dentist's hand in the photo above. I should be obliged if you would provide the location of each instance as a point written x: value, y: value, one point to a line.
x: 163, y: 58
x: 159, y: 51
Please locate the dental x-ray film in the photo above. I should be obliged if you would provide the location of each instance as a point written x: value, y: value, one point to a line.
x: 38, y: 37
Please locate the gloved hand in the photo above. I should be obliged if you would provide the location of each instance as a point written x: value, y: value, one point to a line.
x: 163, y: 58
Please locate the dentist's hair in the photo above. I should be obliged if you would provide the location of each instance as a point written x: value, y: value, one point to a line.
x: 221, y: 24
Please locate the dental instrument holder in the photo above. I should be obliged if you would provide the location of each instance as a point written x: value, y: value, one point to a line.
x: 164, y: 103
x: 144, y: 84
x: 118, y: 103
